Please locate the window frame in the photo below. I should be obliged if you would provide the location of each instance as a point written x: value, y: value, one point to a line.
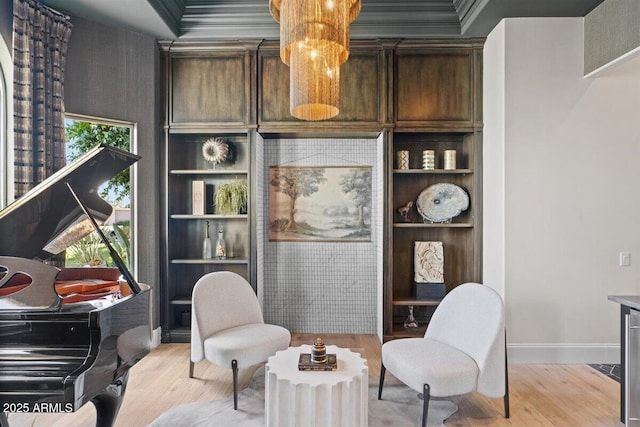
x: 133, y: 148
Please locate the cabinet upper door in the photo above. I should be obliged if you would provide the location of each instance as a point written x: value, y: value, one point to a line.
x: 208, y: 89
x: 434, y: 88
x: 360, y: 90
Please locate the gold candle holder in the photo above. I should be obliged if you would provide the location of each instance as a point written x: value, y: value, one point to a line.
x: 428, y: 159
x: 403, y: 159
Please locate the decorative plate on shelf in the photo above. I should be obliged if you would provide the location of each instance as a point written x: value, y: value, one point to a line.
x: 442, y: 202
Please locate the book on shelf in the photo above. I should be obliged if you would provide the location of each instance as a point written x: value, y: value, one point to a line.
x: 198, y: 193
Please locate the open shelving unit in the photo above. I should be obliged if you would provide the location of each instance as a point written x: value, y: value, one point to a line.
x: 461, y: 237
x: 185, y: 232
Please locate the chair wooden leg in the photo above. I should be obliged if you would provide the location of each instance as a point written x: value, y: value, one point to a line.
x: 234, y: 368
x: 426, y: 395
x: 383, y: 371
x: 506, y: 384
x: 191, y: 369
x: 506, y: 379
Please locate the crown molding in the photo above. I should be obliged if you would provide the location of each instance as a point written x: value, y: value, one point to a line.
x: 170, y: 11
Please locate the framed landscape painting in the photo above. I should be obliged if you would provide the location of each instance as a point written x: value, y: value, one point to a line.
x: 320, y: 203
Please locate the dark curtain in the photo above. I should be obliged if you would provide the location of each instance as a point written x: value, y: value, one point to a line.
x: 40, y: 38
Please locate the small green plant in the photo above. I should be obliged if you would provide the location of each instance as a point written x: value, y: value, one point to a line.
x: 91, y: 251
x: 86, y: 252
x: 231, y: 198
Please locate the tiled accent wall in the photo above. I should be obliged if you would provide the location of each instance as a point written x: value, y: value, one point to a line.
x: 324, y: 287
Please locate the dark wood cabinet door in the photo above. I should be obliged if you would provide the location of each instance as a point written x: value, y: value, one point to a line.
x: 434, y: 88
x: 360, y: 89
x: 208, y: 89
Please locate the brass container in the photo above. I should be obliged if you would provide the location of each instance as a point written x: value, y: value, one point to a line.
x: 319, y: 352
x: 403, y: 159
x: 450, y: 159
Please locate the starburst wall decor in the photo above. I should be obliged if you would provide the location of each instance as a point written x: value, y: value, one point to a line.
x: 215, y: 151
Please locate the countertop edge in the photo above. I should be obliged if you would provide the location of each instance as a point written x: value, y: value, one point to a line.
x: 632, y: 301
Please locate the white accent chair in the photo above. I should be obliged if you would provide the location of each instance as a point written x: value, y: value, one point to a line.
x: 463, y: 349
x: 227, y: 327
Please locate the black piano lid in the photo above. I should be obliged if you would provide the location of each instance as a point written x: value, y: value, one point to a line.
x: 47, y: 219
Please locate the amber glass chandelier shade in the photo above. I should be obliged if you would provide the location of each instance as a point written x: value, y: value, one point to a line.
x: 314, y: 42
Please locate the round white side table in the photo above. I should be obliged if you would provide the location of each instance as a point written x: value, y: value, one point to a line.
x: 316, y: 398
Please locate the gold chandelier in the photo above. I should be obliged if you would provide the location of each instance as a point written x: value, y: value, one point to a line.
x: 314, y: 42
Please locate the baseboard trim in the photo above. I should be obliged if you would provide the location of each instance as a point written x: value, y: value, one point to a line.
x: 156, y: 337
x: 563, y: 353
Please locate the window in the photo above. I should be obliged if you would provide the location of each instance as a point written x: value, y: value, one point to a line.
x: 82, y: 134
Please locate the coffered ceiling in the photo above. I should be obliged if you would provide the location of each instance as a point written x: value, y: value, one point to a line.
x: 238, y: 19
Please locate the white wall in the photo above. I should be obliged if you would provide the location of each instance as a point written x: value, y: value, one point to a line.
x: 562, y: 170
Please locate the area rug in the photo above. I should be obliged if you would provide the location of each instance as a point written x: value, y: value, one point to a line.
x: 400, y: 407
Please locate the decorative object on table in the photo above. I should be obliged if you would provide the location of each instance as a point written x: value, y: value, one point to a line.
x: 232, y: 198
x: 320, y: 203
x: 410, y: 322
x: 428, y: 160
x: 404, y: 210
x: 215, y: 151
x: 318, y: 359
x: 319, y: 352
x: 403, y: 159
x: 442, y: 202
x: 206, y: 244
x: 449, y: 159
x: 198, y: 197
x: 221, y: 246
x: 428, y: 262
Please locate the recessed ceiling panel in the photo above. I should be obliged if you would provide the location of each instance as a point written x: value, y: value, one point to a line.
x: 250, y: 19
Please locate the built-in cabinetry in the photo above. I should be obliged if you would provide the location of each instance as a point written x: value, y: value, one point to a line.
x: 436, y: 107
x: 419, y: 94
x: 209, y: 91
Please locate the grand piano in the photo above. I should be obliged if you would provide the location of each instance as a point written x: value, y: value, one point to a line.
x: 67, y: 336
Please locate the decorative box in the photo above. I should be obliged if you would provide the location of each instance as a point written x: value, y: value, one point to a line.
x: 425, y: 291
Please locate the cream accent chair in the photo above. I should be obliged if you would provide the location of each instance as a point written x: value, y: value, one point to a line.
x: 227, y: 327
x: 463, y: 349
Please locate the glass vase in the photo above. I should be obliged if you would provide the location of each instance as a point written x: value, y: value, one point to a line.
x: 411, y: 321
x: 221, y: 246
x: 206, y: 244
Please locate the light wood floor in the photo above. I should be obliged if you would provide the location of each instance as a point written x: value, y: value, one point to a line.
x: 541, y: 395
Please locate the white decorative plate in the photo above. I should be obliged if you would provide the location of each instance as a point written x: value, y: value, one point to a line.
x: 441, y: 202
